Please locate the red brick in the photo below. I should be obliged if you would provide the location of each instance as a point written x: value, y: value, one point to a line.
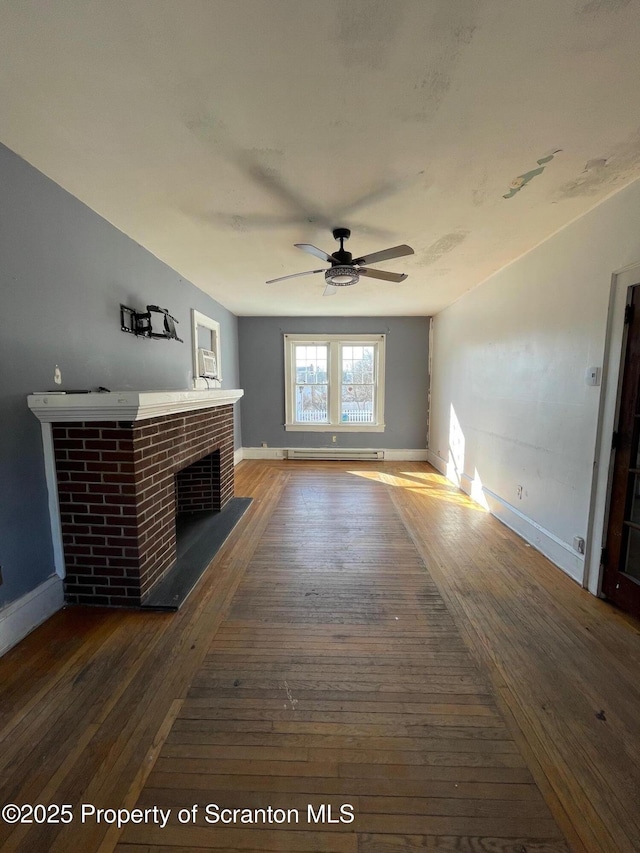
x: 131, y: 534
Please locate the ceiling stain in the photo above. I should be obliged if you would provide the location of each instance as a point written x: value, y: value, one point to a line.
x: 596, y: 7
x: 596, y: 163
x: 446, y: 34
x: 445, y: 244
x: 207, y: 127
x: 464, y: 33
x: 212, y: 132
x: 620, y: 167
x: 237, y: 222
x: 366, y: 28
x: 451, y: 21
x: 522, y: 180
x: 478, y: 197
x: 480, y: 193
x: 436, y: 83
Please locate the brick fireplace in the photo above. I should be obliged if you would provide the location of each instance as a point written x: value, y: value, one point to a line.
x: 121, y: 481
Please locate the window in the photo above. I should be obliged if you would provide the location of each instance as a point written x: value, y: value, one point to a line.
x: 334, y: 383
x: 207, y: 370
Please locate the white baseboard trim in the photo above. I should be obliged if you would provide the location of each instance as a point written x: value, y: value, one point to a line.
x: 389, y: 455
x: 263, y: 452
x: 20, y: 617
x: 559, y: 552
x: 555, y: 549
x: 406, y: 455
x: 238, y: 455
x: 438, y: 462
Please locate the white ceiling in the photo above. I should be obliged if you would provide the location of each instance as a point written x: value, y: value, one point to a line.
x: 217, y: 133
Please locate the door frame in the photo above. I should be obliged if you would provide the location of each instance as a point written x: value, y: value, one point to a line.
x: 615, y: 339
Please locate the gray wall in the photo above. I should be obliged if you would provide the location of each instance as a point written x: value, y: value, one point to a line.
x: 64, y: 272
x: 262, y: 377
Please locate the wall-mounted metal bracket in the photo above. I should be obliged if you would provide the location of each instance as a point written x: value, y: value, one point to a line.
x: 139, y: 323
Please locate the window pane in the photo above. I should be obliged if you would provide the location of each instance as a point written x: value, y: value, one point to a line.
x: 357, y: 364
x: 357, y: 392
x: 357, y: 404
x: 311, y: 364
x: 311, y: 404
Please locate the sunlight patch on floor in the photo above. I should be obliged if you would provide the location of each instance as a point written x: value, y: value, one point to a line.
x: 434, y: 486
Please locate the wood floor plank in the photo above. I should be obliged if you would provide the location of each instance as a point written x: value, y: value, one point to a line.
x: 503, y: 788
x: 227, y: 839
x: 462, y: 714
x: 482, y: 807
x: 182, y: 733
x: 455, y: 844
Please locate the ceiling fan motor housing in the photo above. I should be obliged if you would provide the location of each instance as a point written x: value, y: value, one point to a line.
x: 341, y: 254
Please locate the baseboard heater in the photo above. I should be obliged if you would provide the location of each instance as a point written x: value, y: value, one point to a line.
x: 335, y: 454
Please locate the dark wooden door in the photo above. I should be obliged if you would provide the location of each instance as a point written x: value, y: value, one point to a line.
x: 621, y: 579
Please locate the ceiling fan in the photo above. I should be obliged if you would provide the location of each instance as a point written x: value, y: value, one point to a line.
x: 346, y: 270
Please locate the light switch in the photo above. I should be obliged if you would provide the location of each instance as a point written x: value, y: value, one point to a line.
x: 593, y: 376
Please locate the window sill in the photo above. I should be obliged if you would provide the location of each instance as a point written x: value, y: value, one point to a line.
x: 334, y: 427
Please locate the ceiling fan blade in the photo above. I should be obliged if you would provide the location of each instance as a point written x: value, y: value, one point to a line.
x: 295, y: 275
x: 313, y: 250
x: 330, y: 290
x: 384, y: 255
x: 385, y: 276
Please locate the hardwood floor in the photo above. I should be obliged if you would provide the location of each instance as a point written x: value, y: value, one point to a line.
x: 481, y: 703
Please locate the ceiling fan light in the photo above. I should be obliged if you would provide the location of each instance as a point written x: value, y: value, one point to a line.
x: 341, y: 276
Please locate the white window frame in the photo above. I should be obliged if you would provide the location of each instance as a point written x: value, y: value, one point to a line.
x: 198, y: 319
x: 334, y: 342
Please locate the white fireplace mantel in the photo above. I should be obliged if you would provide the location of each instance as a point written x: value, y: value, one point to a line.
x: 51, y: 407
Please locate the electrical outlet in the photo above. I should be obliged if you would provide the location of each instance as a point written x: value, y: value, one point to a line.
x: 519, y: 492
x: 334, y: 438
x: 264, y: 444
x: 57, y: 375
